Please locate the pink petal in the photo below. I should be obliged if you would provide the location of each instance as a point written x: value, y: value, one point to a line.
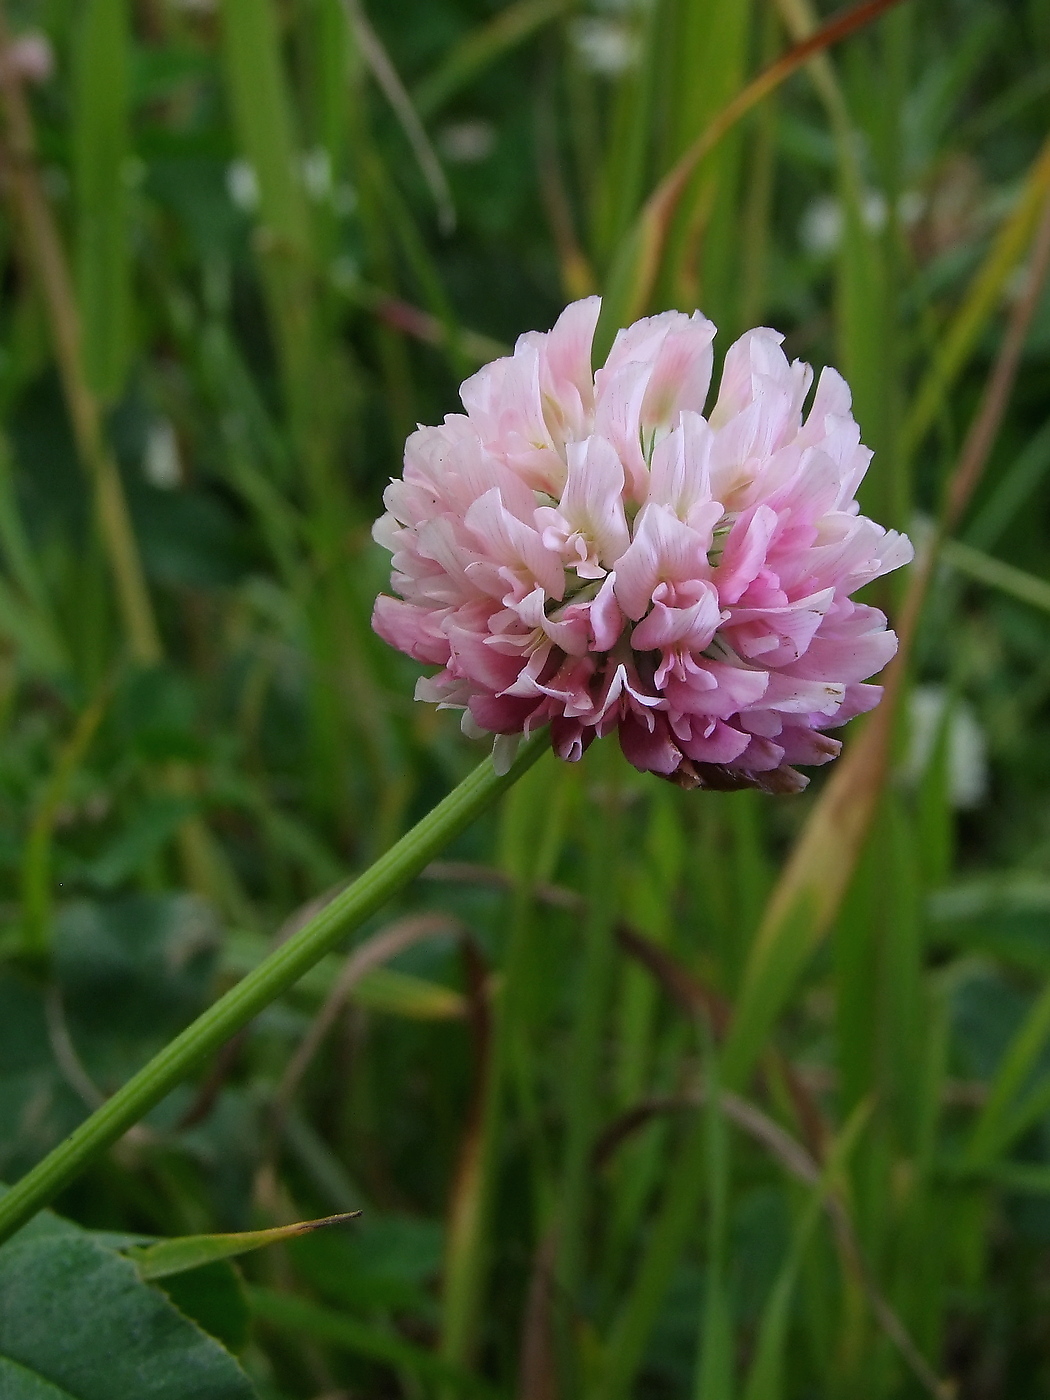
x: 415, y: 631
x: 605, y: 617
x: 507, y: 540
x: 650, y: 750
x: 663, y: 550
x: 745, y: 552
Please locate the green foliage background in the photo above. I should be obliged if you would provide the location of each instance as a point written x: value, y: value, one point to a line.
x: 285, y: 233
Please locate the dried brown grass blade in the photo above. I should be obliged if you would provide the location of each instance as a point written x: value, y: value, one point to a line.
x: 537, y: 1372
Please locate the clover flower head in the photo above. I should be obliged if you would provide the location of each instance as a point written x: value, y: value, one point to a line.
x: 593, y: 552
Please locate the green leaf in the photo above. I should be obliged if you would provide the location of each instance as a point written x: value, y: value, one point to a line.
x: 132, y: 971
x: 176, y: 1256
x: 76, y: 1321
x: 153, y: 826
x: 213, y: 1297
x: 128, y: 973
x: 16, y: 1383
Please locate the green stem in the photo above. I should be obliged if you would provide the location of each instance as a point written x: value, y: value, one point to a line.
x: 467, y: 1249
x: 672, y: 1224
x: 468, y: 1241
x: 583, y: 1103
x: 268, y: 981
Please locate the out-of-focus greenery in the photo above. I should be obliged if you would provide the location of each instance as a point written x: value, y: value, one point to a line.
x: 291, y: 229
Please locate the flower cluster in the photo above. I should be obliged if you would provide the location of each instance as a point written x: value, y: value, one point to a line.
x: 589, y: 551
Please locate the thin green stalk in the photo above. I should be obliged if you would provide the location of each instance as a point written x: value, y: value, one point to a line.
x: 468, y: 1246
x: 676, y: 1217
x: 469, y: 1238
x: 36, y: 865
x: 44, y: 250
x: 714, y: 1371
x: 100, y: 132
x: 582, y: 1099
x: 269, y: 980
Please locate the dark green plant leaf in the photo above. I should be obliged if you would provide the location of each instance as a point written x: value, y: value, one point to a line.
x: 130, y: 973
x: 213, y: 1296
x: 77, y: 1321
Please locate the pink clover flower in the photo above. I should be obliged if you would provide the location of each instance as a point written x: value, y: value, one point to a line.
x: 593, y: 553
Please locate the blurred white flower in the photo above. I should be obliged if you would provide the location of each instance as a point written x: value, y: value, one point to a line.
x: 344, y: 198
x: 467, y: 142
x: 605, y: 46
x: 242, y: 185
x: 967, y: 755
x: 56, y: 182
x: 911, y: 207
x: 133, y: 171
x: 161, y: 460
x: 317, y: 174
x: 30, y: 57
x: 821, y: 227
x: 344, y: 273
x: 822, y: 224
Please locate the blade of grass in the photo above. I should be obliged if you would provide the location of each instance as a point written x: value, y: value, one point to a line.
x: 44, y: 251
x: 653, y: 882
x: 266, y: 133
x: 996, y: 573
x: 627, y: 157
x: 393, y: 89
x: 1010, y: 492
x: 714, y: 1372
x: 799, y: 1164
x: 990, y: 1132
x: 705, y: 67
x: 957, y: 342
x: 864, y: 295
x: 684, y: 1183
x: 604, y: 834
x: 482, y: 47
x: 36, y: 861
x: 499, y: 1027
x: 765, y: 1377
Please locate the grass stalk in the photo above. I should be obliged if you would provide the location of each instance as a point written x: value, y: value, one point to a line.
x: 591, y: 1011
x: 43, y: 248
